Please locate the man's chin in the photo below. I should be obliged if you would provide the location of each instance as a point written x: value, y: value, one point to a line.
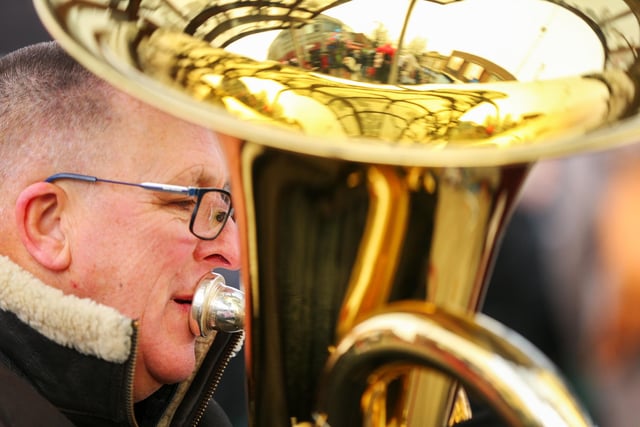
x: 177, y: 365
x: 179, y: 373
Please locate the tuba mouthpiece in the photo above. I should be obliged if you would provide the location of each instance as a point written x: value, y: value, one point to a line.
x: 216, y: 307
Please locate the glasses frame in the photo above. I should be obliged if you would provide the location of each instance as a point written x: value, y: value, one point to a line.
x: 197, y: 192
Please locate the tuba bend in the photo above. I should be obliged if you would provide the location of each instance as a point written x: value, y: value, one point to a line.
x: 377, y: 149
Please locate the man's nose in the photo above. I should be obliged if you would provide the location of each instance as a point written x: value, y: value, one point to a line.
x: 229, y: 243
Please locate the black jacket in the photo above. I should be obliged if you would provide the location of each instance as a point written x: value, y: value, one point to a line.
x: 69, y: 361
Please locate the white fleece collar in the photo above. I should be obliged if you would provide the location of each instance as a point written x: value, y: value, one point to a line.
x: 79, y: 323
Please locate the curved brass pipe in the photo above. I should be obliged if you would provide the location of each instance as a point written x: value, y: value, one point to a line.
x: 372, y: 275
x: 516, y: 378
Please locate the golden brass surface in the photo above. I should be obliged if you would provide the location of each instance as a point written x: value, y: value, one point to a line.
x: 465, y: 347
x: 188, y: 44
x: 383, y: 147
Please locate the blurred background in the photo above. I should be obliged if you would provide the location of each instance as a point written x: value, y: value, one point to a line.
x: 19, y: 25
x: 567, y: 276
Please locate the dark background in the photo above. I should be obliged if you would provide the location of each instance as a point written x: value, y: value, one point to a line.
x: 19, y: 25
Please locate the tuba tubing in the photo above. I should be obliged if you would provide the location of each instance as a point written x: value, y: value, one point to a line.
x: 520, y: 383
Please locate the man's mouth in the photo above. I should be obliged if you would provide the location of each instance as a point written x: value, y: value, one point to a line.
x: 183, y: 300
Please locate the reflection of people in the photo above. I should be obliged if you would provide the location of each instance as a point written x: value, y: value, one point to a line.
x: 97, y: 274
x: 382, y: 64
x: 324, y: 62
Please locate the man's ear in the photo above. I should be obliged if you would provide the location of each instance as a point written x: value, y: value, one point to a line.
x: 39, y: 211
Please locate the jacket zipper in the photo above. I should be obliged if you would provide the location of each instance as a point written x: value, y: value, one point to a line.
x: 232, y: 348
x: 130, y: 375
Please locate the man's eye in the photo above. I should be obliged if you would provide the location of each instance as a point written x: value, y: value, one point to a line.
x: 218, y: 216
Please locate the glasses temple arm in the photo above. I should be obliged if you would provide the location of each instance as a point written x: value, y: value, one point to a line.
x: 74, y: 176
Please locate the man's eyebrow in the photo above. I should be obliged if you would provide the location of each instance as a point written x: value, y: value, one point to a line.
x: 205, y: 182
x: 201, y: 178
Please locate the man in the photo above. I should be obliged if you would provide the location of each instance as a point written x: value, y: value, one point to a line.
x: 97, y: 274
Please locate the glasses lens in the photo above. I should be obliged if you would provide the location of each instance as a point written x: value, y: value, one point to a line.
x: 212, y: 214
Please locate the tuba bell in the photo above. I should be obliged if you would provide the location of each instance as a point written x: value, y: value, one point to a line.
x: 383, y: 148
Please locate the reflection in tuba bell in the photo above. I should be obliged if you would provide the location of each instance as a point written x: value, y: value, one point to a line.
x: 383, y: 148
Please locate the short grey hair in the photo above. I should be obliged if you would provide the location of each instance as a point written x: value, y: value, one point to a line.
x: 50, y: 106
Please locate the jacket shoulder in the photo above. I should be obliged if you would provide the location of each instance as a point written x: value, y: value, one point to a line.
x: 215, y: 416
x: 22, y: 406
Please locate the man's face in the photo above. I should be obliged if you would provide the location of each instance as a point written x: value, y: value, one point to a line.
x: 132, y: 248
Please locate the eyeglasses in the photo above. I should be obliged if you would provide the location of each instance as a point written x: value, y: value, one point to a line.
x: 210, y: 213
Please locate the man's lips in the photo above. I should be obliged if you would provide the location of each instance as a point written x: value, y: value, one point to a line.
x: 183, y: 300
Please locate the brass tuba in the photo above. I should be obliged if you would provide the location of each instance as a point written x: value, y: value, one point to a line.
x: 383, y: 147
